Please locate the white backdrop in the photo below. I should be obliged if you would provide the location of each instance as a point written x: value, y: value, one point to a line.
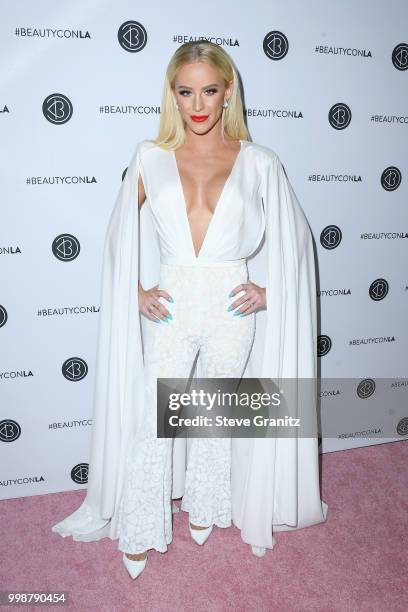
x: 324, y: 85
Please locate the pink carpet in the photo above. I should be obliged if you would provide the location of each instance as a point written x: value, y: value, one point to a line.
x: 357, y: 561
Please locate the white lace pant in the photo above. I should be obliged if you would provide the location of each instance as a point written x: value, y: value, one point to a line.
x: 201, y: 323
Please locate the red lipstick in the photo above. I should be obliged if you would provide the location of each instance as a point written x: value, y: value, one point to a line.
x: 199, y: 118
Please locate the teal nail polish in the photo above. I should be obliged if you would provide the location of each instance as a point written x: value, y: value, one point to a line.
x: 171, y: 299
x: 229, y: 308
x: 169, y: 316
x: 237, y: 314
x: 230, y: 294
x: 157, y: 320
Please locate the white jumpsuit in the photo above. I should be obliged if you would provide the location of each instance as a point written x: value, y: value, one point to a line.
x: 201, y: 323
x: 274, y: 483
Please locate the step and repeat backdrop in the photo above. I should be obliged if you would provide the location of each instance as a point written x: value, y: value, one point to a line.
x: 324, y: 86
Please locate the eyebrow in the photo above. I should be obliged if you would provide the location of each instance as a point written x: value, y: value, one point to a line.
x: 206, y: 87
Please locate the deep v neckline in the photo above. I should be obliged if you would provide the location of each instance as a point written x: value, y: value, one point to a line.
x: 217, y: 205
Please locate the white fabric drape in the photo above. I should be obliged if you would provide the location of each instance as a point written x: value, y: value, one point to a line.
x: 275, y: 482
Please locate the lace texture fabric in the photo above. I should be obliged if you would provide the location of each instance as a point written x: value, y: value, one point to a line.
x: 201, y: 324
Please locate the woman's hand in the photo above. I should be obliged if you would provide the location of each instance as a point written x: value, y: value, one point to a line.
x: 253, y: 298
x: 150, y: 306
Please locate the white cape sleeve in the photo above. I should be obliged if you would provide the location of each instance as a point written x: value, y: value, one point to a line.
x: 278, y: 478
x: 118, y: 392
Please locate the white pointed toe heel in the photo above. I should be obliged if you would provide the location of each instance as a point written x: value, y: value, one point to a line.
x: 134, y: 567
x: 258, y: 551
x: 200, y: 535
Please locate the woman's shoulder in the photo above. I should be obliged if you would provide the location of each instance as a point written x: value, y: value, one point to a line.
x: 143, y: 150
x: 263, y: 157
x: 145, y: 145
x: 262, y: 151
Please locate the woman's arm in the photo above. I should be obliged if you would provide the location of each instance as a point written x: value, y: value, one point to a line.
x: 141, y: 199
x: 142, y: 193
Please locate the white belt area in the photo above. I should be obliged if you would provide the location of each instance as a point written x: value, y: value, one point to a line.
x: 201, y: 262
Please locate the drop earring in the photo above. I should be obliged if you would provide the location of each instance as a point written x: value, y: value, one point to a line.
x: 177, y: 106
x: 225, y: 105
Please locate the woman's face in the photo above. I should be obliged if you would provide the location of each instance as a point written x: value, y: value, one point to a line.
x: 199, y: 91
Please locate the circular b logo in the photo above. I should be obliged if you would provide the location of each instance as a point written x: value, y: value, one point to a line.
x: 79, y: 473
x: 378, y: 289
x: 57, y: 108
x: 402, y: 427
x: 3, y: 316
x: 324, y: 345
x: 9, y: 430
x: 391, y: 178
x: 330, y: 237
x: 400, y: 56
x: 132, y: 36
x: 65, y: 247
x: 74, y: 369
x: 366, y: 388
x: 339, y: 116
x: 275, y: 45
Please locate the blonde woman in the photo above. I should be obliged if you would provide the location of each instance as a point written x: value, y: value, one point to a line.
x: 212, y: 196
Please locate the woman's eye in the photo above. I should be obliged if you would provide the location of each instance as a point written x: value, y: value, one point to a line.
x: 210, y: 91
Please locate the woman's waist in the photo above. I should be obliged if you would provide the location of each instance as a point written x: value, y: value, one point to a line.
x: 202, y: 275
x: 200, y: 262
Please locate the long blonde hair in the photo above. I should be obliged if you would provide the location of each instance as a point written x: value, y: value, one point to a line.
x: 171, y: 128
